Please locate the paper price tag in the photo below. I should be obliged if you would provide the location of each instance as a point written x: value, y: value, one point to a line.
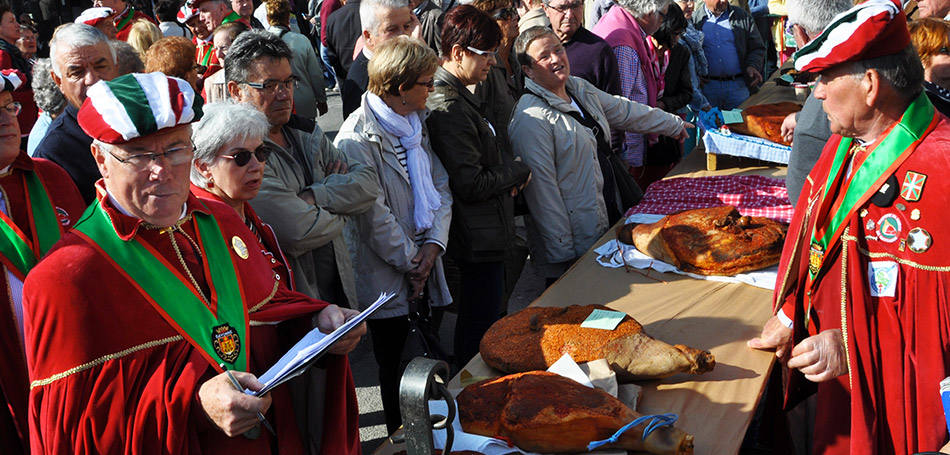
x: 732, y: 116
x: 603, y: 319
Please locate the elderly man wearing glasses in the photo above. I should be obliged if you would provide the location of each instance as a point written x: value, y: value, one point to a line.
x: 309, y: 187
x: 592, y: 59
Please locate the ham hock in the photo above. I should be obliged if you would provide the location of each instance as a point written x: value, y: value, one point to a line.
x: 536, y: 337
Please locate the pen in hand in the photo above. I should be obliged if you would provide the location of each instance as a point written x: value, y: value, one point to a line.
x: 237, y: 385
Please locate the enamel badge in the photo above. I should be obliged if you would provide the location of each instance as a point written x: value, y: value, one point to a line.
x: 913, y: 186
x: 814, y: 258
x: 239, y: 247
x: 919, y: 240
x: 888, y: 228
x: 226, y: 342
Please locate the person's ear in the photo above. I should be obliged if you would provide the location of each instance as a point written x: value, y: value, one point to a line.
x: 234, y: 91
x: 456, y: 53
x: 871, y: 86
x: 56, y: 79
x: 800, y: 35
x: 204, y: 169
x: 99, y: 155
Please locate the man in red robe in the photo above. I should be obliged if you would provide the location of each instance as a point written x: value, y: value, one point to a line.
x: 38, y: 202
x: 126, y: 16
x: 134, y: 314
x: 863, y: 280
x: 212, y: 14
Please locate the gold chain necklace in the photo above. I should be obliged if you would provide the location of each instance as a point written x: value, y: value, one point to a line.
x: 171, y: 235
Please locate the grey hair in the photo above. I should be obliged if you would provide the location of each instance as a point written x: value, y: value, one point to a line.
x: 220, y: 124
x: 45, y: 92
x: 902, y: 71
x: 526, y: 38
x: 369, y: 20
x: 126, y: 58
x: 815, y: 15
x: 74, y: 35
x: 640, y: 8
x: 250, y: 46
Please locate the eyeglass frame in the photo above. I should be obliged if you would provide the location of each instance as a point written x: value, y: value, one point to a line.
x: 289, y: 84
x: 16, y: 108
x: 481, y: 53
x: 153, y: 157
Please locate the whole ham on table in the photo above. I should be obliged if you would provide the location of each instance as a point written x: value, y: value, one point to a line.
x: 536, y: 337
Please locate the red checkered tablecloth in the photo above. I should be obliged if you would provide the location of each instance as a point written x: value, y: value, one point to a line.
x: 752, y: 195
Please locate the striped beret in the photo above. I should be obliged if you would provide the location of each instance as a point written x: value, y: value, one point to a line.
x: 136, y: 105
x: 93, y: 16
x: 12, y: 79
x: 185, y: 13
x: 874, y: 28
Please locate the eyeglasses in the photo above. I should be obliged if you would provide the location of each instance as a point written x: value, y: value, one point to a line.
x: 429, y: 83
x: 13, y: 108
x: 244, y: 156
x: 492, y: 54
x: 568, y: 7
x: 271, y: 87
x: 173, y: 157
x: 504, y: 14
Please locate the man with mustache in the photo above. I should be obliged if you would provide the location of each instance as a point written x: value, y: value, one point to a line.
x: 309, y: 187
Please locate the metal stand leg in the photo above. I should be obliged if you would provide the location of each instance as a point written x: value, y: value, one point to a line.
x: 425, y: 379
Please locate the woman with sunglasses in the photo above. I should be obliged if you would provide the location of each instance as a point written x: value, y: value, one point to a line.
x: 228, y: 167
x: 483, y: 174
x: 403, y: 235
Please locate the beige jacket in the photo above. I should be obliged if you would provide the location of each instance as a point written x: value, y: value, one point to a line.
x: 387, y: 230
x: 304, y: 228
x: 565, y: 196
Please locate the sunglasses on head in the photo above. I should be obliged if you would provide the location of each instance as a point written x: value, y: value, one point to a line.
x: 244, y: 156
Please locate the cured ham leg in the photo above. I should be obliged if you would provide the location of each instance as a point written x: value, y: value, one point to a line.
x: 536, y: 337
x: 547, y: 413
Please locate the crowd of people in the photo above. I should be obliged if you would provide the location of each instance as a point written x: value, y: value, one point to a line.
x: 172, y: 213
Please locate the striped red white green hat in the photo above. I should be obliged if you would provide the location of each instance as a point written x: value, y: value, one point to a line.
x: 185, y: 13
x: 874, y: 28
x: 12, y: 79
x: 93, y: 16
x: 136, y: 105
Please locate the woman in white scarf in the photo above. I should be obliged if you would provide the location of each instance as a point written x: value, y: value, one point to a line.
x: 402, y: 237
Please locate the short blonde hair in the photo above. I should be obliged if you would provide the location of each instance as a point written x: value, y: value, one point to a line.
x: 929, y: 35
x: 142, y: 35
x: 398, y: 63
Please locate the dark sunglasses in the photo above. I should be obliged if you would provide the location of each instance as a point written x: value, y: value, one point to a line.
x: 244, y: 156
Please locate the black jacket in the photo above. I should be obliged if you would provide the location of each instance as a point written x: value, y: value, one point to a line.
x: 354, y: 86
x: 481, y: 174
x: 678, y: 88
x: 343, y: 29
x: 67, y: 145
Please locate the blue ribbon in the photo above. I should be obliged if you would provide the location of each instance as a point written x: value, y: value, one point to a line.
x: 656, y: 421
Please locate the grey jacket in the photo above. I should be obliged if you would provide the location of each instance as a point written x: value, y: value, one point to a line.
x: 749, y: 44
x: 306, y: 68
x: 304, y: 230
x: 565, y: 197
x: 386, y: 231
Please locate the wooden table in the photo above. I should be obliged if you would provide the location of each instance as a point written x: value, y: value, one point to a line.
x: 715, y: 407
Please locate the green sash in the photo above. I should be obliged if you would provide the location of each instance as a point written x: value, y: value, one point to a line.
x: 917, y: 121
x: 125, y: 20
x: 222, y: 337
x: 234, y: 16
x: 19, y: 253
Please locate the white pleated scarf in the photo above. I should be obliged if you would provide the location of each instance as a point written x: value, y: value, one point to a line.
x: 409, y: 131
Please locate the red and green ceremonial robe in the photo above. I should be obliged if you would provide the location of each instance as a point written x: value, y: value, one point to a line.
x: 124, y: 20
x: 883, y: 279
x: 339, y: 436
x: 109, y: 374
x: 25, y: 222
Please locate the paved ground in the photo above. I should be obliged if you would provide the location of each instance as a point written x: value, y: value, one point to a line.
x: 365, y: 373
